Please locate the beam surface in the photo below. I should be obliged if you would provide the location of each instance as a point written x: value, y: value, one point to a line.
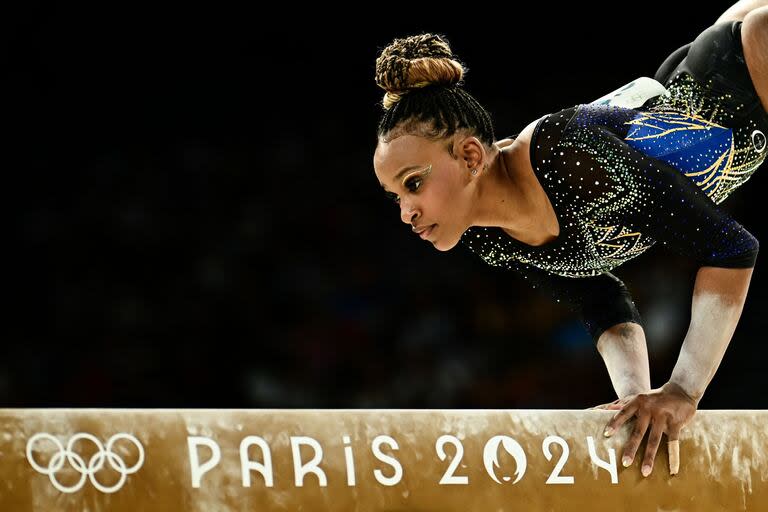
x: 368, y: 460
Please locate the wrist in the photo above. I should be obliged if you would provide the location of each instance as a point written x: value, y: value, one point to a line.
x: 635, y: 389
x: 680, y: 389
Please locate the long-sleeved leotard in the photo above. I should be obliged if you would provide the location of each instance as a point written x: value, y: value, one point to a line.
x: 621, y: 180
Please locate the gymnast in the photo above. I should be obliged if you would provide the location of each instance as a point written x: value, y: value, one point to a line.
x: 580, y: 191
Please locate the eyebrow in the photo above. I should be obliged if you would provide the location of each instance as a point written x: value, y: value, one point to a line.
x: 403, y: 171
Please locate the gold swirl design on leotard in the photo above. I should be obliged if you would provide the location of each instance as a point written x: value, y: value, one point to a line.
x: 704, y: 108
x: 693, y: 122
x: 718, y: 179
x: 617, y: 242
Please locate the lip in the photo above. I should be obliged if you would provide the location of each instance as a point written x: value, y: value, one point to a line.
x: 426, y: 232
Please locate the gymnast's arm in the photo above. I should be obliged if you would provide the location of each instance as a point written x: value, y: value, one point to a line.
x: 625, y: 354
x: 684, y: 219
x: 662, y: 203
x: 718, y: 300
x: 607, y: 311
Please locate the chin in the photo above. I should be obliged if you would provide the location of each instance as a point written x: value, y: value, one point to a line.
x: 444, y: 246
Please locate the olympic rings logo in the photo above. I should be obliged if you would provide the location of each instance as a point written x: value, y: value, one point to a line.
x: 95, y: 463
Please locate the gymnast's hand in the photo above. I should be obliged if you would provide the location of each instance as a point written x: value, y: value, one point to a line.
x: 665, y: 410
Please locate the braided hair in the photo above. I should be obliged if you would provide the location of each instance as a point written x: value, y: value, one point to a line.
x: 424, y: 94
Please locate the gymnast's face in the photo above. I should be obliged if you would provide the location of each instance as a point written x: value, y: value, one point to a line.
x: 430, y: 186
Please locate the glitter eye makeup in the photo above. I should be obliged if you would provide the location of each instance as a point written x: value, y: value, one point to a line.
x: 412, y: 183
x: 416, y: 178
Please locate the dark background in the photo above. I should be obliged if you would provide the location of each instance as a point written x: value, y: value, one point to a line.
x: 196, y: 221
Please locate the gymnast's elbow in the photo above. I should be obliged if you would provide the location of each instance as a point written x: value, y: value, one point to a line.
x: 728, y: 279
x: 744, y: 260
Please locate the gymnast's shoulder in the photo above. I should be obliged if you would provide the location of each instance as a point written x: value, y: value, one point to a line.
x: 524, y: 137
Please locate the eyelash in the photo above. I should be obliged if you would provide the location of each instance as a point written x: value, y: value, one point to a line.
x: 393, y: 196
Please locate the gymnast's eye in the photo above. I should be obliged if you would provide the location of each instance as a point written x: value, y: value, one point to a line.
x: 413, y: 184
x: 392, y: 197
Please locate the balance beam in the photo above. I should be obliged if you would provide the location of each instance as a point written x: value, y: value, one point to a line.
x: 368, y: 460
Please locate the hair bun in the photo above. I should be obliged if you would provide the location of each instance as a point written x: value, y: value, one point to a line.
x: 414, y: 62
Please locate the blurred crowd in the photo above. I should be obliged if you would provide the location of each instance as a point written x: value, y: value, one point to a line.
x: 198, y: 278
x: 195, y: 227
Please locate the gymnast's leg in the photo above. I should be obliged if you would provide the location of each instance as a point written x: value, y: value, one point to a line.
x: 665, y: 71
x: 737, y: 11
x: 754, y: 39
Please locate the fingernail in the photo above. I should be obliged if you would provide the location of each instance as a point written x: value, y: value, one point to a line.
x: 646, y: 470
x: 626, y: 461
x: 608, y: 432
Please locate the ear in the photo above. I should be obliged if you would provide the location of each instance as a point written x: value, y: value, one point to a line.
x: 470, y: 150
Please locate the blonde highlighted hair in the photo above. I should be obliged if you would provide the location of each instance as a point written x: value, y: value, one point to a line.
x: 424, y: 94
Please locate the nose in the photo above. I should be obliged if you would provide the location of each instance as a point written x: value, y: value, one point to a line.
x: 407, y: 213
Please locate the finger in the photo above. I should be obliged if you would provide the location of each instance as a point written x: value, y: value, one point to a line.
x: 673, y: 448
x: 674, y: 456
x: 641, y: 425
x: 654, y: 439
x: 609, y: 407
x: 620, y: 418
